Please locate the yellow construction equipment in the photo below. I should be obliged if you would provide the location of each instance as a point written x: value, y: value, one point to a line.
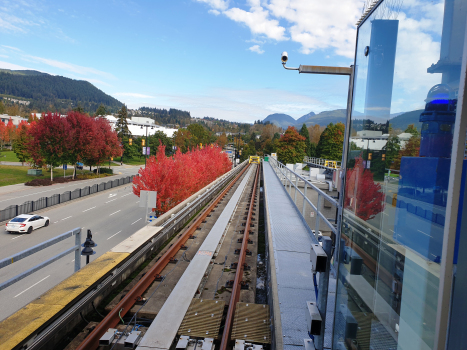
x: 254, y: 160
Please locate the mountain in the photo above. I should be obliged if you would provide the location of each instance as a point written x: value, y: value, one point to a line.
x: 305, y: 118
x: 326, y: 117
x: 281, y: 120
x: 54, y: 93
x: 405, y: 119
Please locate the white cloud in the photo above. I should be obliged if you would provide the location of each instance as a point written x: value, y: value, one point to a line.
x: 256, y: 48
x: 214, y: 12
x: 70, y: 67
x: 257, y: 19
x: 11, y: 48
x: 221, y: 5
x: 4, y: 56
x: 132, y: 94
x: 8, y: 65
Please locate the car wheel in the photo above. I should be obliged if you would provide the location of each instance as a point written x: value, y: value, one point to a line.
x: 46, y: 223
x: 29, y: 229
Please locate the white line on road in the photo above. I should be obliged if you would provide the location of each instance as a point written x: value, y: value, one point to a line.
x: 31, y: 194
x: 55, y: 222
x: 35, y: 284
x: 426, y: 234
x: 66, y: 218
x: 22, y: 236
x: 115, y: 212
x: 137, y: 202
x: 88, y: 209
x: 114, y: 235
x: 112, y: 195
x: 133, y: 223
x: 111, y: 200
x: 385, y: 214
x: 126, y: 194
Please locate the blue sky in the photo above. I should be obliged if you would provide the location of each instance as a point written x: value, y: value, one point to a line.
x: 211, y: 57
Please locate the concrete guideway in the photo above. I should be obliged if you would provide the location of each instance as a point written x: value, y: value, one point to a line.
x: 34, y: 322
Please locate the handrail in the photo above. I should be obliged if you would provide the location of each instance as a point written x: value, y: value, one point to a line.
x: 335, y: 164
x: 278, y: 168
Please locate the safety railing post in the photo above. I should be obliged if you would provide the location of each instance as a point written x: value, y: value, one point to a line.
x: 304, y: 201
x: 318, y: 207
x: 296, y: 188
x: 77, y: 251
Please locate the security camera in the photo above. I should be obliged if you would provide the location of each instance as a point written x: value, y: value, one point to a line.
x: 284, y: 57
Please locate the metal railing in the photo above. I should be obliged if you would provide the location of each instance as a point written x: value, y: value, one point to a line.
x: 325, y: 163
x: 291, y: 179
x: 45, y: 202
x: 30, y: 251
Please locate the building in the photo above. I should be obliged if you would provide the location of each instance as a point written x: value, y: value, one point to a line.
x: 15, y: 118
x: 139, y: 128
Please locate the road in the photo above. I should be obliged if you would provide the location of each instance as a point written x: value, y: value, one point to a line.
x: 18, y: 194
x: 112, y: 216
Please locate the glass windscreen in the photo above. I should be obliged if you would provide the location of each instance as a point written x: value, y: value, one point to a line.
x: 18, y: 220
x: 407, y: 71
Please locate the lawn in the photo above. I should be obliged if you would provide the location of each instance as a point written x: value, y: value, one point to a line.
x: 8, y: 156
x: 11, y: 174
x: 133, y: 161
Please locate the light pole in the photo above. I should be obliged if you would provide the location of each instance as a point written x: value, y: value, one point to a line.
x: 147, y: 145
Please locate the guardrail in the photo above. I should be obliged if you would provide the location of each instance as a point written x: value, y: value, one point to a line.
x: 45, y: 202
x: 30, y: 251
x: 288, y: 177
x: 325, y: 163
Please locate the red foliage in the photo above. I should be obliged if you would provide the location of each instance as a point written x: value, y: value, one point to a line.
x: 175, y: 179
x: 362, y: 195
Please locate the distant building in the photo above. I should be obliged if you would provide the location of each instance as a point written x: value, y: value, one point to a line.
x: 15, y: 118
x: 139, y: 129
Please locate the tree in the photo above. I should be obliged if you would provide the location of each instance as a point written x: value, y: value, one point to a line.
x: 222, y: 140
x: 32, y: 117
x: 21, y: 140
x: 315, y: 132
x: 49, y: 141
x: 106, y: 142
x: 2, y: 107
x: 331, y: 142
x: 362, y: 195
x: 198, y: 135
x: 291, y: 147
x: 182, y: 139
x: 82, y: 138
x: 10, y: 132
x: 392, y: 148
x: 411, y: 149
x: 78, y: 108
x: 160, y: 138
x: 2, y: 134
x: 100, y: 110
x: 411, y: 129
x: 306, y: 135
x: 121, y: 126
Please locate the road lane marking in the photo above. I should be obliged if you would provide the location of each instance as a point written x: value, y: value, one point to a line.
x: 35, y: 284
x: 17, y: 237
x: 115, y: 212
x: 385, y: 214
x: 137, y: 221
x: 112, y: 195
x: 66, y: 218
x: 111, y: 200
x: 55, y: 222
x: 31, y: 194
x: 137, y: 202
x: 114, y: 235
x: 88, y: 209
x: 126, y: 194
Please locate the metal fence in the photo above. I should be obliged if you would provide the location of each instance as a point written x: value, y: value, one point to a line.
x: 45, y: 202
x: 325, y: 163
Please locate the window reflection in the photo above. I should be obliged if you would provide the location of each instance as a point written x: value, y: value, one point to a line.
x: 404, y: 107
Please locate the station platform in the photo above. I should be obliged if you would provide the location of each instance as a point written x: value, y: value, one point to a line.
x: 291, y: 280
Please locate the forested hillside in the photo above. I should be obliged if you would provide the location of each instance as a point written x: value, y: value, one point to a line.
x: 164, y: 116
x: 47, y: 92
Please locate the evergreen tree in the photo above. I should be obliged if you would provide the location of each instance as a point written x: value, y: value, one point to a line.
x: 121, y: 126
x: 392, y: 148
x: 331, y: 142
x: 79, y: 108
x: 306, y: 135
x: 411, y: 129
x: 101, y: 110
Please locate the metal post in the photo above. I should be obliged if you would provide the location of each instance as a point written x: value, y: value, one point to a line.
x: 318, y: 205
x: 78, y: 250
x: 304, y: 201
x: 296, y: 188
x: 146, y: 153
x: 323, y: 292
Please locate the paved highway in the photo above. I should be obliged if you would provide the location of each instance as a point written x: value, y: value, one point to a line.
x: 18, y: 194
x: 112, y: 216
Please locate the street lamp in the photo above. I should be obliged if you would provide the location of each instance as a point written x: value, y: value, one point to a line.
x: 147, y: 144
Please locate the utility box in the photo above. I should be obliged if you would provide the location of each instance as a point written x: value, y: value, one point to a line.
x: 35, y: 172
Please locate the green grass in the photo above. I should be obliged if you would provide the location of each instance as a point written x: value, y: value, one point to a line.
x: 11, y: 174
x: 8, y: 156
x: 133, y: 161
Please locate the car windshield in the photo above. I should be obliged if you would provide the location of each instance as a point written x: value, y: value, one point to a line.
x: 19, y: 219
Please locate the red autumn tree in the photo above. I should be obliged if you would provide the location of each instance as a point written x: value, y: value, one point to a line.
x: 10, y: 131
x: 49, y: 141
x: 176, y: 178
x: 291, y: 147
x: 106, y: 143
x: 362, y: 195
x: 2, y: 134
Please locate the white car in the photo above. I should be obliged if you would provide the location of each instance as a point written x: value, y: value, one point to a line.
x: 26, y: 223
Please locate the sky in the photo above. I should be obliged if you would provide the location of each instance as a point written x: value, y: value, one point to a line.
x: 215, y: 58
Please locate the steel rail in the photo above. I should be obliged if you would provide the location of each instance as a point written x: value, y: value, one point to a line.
x: 236, y: 288
x: 91, y: 342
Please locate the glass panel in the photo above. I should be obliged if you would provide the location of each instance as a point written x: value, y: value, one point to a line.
x: 408, y: 62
